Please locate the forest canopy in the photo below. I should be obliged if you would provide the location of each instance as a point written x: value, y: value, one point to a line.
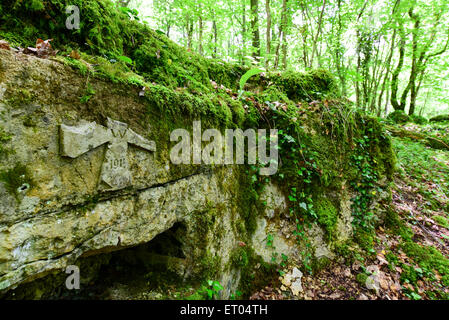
x: 387, y: 55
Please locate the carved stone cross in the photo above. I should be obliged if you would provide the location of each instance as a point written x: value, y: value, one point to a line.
x: 80, y: 139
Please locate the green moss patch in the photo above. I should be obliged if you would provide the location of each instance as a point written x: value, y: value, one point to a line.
x: 4, y: 139
x: 255, y: 273
x: 327, y: 216
x: 16, y: 180
x: 442, y: 221
x: 429, y: 259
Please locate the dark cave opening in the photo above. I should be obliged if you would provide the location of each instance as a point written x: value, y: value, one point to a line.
x: 146, y: 271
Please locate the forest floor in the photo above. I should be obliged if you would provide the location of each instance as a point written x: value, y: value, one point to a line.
x: 409, y: 261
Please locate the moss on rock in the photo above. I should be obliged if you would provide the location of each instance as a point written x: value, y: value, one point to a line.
x: 327, y: 216
x: 398, y: 116
x: 4, y: 139
x: 16, y: 179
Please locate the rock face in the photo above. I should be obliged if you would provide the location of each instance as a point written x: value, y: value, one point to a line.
x: 80, y: 183
x: 81, y: 179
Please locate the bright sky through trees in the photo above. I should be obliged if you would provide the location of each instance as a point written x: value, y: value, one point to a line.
x: 386, y: 54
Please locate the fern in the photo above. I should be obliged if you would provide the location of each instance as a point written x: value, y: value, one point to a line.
x: 244, y: 79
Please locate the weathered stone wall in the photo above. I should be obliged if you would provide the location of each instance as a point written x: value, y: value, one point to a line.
x: 51, y: 208
x: 54, y: 210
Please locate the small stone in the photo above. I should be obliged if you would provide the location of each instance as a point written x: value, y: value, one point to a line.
x: 356, y: 265
x: 362, y: 297
x: 383, y: 284
x: 335, y: 295
x: 287, y: 280
x: 296, y: 287
x: 296, y: 273
x: 372, y: 283
x: 373, y: 269
x: 347, y: 273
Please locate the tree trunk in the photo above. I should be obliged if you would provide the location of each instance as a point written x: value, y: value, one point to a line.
x: 315, y: 41
x: 268, y: 37
x: 243, y: 32
x: 255, y: 29
x: 395, y: 76
x: 189, y: 34
x: 387, y: 73
x: 281, y: 31
x: 200, y: 38
x: 214, y: 27
x: 284, y: 42
x: 124, y: 3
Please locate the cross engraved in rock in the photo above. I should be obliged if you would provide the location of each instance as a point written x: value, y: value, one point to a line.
x: 80, y: 139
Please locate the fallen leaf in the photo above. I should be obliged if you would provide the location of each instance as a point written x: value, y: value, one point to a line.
x: 75, y: 55
x: 4, y: 45
x: 382, y: 259
x: 43, y: 49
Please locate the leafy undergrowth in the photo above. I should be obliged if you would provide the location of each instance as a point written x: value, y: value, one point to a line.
x: 409, y: 255
x: 438, y: 130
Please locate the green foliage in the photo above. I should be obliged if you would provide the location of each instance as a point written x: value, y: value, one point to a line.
x: 247, y: 75
x: 399, y: 116
x: 327, y: 216
x: 239, y: 257
x: 125, y: 59
x: 209, y: 265
x: 418, y: 119
x: 4, y: 138
x: 410, y: 274
x: 209, y: 290
x: 429, y: 259
x: 361, y: 278
x: 442, y: 221
x: 132, y: 13
x: 269, y: 240
x: 255, y: 273
x: 313, y: 85
x: 440, y: 118
x: 251, y: 184
x: 88, y: 94
x: 396, y: 225
x: 364, y: 185
x: 20, y: 98
x: 418, y: 160
x: 365, y: 238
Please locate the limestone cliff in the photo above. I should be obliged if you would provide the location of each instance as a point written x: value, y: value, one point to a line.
x: 64, y: 120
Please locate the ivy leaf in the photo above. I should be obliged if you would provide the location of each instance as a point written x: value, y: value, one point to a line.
x: 125, y: 59
x: 244, y: 79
